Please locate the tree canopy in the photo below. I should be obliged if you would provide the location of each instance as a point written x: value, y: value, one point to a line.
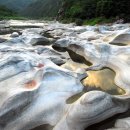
x: 87, y: 9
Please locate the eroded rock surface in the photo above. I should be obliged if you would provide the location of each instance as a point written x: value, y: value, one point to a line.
x: 45, y: 73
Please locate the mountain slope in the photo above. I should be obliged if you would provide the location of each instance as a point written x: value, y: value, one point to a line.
x: 5, y: 12
x: 43, y: 8
x: 17, y: 5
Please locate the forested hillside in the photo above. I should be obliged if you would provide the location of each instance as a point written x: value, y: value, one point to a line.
x: 43, y: 8
x: 88, y: 9
x: 5, y: 12
x: 17, y: 5
x: 71, y: 10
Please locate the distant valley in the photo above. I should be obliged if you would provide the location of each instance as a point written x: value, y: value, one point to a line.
x: 33, y: 8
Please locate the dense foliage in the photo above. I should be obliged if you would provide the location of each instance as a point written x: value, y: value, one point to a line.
x: 4, y: 12
x: 88, y: 9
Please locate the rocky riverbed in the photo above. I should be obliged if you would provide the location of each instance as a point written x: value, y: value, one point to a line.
x: 57, y: 76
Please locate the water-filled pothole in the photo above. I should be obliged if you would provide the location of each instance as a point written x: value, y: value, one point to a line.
x: 102, y: 80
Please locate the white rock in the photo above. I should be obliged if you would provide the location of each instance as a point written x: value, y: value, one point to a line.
x: 14, y: 34
x: 34, y: 91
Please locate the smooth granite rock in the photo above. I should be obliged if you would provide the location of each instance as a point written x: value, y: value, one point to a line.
x: 37, y: 81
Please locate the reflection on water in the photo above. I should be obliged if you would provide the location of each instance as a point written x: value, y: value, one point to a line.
x: 97, y: 80
x: 102, y: 80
